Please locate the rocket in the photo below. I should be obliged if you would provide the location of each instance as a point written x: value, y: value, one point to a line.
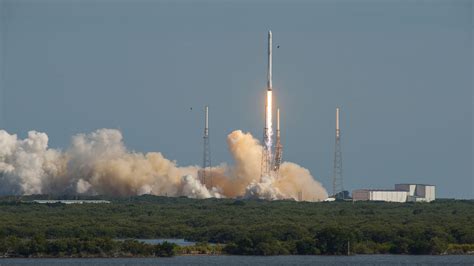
x: 268, y: 103
x: 268, y: 131
x: 269, y: 70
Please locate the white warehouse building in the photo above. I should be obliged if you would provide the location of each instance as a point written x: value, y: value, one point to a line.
x: 418, y: 192
x: 379, y: 195
x: 401, y: 193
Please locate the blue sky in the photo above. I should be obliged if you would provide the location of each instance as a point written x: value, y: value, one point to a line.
x: 400, y: 70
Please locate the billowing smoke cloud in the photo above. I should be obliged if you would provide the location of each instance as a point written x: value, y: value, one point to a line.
x: 98, y: 163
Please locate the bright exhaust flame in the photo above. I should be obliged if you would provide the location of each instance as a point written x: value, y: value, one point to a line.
x: 268, y: 115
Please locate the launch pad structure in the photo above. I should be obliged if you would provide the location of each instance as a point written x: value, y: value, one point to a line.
x: 278, y: 147
x: 337, y: 181
x: 272, y: 152
x: 271, y: 161
x: 205, y: 174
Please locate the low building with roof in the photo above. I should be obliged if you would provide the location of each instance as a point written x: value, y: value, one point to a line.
x: 401, y: 193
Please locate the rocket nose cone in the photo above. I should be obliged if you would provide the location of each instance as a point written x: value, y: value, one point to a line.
x: 269, y: 33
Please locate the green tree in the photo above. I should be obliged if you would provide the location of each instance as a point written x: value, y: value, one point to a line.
x: 165, y: 249
x: 332, y: 240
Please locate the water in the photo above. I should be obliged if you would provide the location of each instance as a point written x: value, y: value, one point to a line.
x: 252, y: 260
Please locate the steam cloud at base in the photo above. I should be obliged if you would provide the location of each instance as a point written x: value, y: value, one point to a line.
x: 98, y: 163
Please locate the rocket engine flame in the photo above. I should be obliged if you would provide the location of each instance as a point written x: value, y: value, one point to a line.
x: 268, y: 115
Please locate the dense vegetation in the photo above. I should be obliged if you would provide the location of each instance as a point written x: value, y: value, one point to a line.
x: 242, y: 226
x: 82, y: 247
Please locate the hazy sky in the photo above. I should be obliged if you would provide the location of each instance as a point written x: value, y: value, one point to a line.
x: 400, y: 70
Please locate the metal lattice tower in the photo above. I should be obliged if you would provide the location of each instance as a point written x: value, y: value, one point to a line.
x: 205, y: 174
x: 266, y: 166
x: 278, y: 147
x: 337, y: 181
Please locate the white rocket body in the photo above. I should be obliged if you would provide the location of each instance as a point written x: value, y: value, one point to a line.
x: 269, y: 80
x: 269, y: 70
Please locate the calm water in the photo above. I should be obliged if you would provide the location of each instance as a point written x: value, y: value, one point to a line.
x: 250, y: 260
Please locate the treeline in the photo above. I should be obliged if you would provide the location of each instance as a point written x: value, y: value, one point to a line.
x: 38, y: 246
x: 340, y: 241
x: 249, y: 227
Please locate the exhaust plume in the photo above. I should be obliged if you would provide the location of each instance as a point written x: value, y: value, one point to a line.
x: 98, y: 163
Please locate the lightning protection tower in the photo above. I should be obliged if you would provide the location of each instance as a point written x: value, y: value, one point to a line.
x: 205, y: 174
x: 278, y: 147
x: 337, y: 184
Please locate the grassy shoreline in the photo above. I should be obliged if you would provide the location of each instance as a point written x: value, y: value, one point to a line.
x: 200, y: 250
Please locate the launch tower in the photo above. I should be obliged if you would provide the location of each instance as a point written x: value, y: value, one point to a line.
x: 337, y: 185
x: 278, y: 147
x: 205, y: 173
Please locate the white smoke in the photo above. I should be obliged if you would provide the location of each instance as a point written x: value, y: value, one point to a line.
x: 98, y: 163
x: 265, y: 189
x: 193, y: 188
x: 83, y: 186
x: 27, y: 165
